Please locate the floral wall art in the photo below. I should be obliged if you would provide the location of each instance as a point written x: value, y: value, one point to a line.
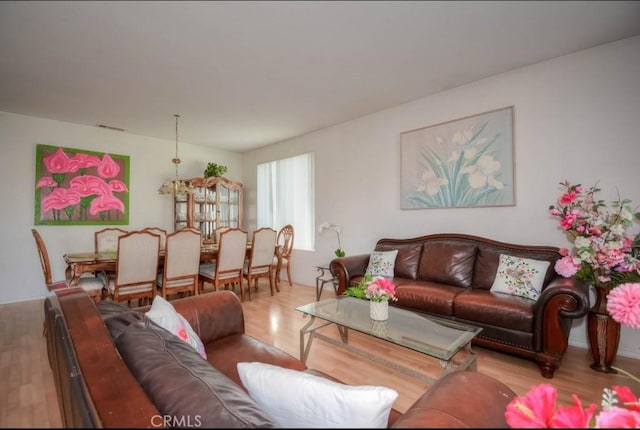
x: 78, y: 187
x: 466, y: 162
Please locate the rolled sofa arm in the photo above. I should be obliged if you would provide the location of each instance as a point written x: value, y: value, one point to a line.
x: 347, y: 268
x: 562, y: 301
x: 460, y: 400
x: 213, y: 315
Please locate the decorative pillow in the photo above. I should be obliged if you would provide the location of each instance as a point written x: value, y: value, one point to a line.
x: 382, y: 263
x: 520, y: 276
x: 164, y: 314
x: 295, y: 399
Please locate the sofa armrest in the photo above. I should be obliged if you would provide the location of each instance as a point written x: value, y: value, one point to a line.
x: 559, y: 303
x: 212, y: 315
x: 347, y: 268
x: 460, y: 400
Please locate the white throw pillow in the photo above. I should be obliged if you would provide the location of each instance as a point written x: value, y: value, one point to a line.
x: 164, y: 314
x: 382, y: 263
x: 294, y: 399
x: 520, y: 276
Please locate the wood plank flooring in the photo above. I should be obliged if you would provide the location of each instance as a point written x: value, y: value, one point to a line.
x: 27, y: 393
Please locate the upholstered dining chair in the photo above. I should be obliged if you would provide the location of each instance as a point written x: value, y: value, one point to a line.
x: 181, y: 263
x: 260, y: 262
x: 92, y: 285
x: 160, y: 232
x: 136, y: 268
x: 284, y: 249
x: 106, y: 241
x: 227, y: 268
x: 218, y: 231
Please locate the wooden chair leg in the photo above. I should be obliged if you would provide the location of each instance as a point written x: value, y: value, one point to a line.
x: 289, y: 273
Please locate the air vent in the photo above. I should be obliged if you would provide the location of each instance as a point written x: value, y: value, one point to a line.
x: 110, y: 127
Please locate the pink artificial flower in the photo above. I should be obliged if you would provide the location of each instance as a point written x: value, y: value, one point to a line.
x: 535, y: 410
x: 46, y: 181
x: 627, y: 397
x: 616, y: 417
x: 573, y: 416
x: 381, y: 287
x: 568, y: 198
x: 566, y: 267
x: 564, y: 252
x: 623, y: 303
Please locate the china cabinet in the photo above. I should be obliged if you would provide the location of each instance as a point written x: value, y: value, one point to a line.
x: 216, y: 202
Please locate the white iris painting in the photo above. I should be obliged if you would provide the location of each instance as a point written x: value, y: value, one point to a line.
x: 466, y: 162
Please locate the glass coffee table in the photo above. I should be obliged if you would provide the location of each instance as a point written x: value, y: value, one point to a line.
x: 435, y: 337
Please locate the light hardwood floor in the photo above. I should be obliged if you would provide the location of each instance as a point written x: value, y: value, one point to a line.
x: 27, y: 394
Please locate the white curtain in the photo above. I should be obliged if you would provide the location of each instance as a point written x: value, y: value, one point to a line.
x: 286, y: 196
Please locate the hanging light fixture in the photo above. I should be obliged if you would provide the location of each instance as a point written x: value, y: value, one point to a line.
x: 176, y: 186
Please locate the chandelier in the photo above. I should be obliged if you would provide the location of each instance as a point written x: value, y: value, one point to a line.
x: 176, y: 186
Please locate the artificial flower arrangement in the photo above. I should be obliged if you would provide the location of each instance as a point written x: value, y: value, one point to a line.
x: 376, y: 289
x: 603, y: 255
x: 326, y: 226
x: 620, y: 407
x: 606, y: 258
x: 537, y: 409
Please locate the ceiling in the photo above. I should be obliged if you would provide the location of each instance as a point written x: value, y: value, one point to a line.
x: 246, y: 74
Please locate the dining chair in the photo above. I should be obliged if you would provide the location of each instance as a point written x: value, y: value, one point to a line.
x: 160, y: 232
x: 106, y: 241
x: 284, y: 250
x: 260, y: 262
x: 218, y: 231
x: 92, y: 285
x: 181, y: 263
x: 229, y: 263
x: 136, y: 268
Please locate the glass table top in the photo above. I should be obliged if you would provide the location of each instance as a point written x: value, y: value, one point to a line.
x: 437, y: 337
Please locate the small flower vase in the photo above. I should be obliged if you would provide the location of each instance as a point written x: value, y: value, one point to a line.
x: 379, y: 328
x: 379, y: 311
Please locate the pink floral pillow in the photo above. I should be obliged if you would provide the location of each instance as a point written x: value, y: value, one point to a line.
x: 164, y: 314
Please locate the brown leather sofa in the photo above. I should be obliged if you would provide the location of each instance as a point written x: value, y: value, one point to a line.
x: 450, y: 275
x: 113, y: 368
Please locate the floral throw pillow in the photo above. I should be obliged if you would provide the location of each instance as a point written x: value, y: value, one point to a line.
x: 164, y: 314
x: 520, y: 276
x: 382, y: 263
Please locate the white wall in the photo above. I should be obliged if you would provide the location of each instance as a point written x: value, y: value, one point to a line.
x: 576, y: 117
x: 150, y: 164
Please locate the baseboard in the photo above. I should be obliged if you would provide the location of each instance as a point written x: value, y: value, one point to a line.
x: 622, y: 351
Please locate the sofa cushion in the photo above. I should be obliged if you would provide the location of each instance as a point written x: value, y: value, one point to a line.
x: 182, y: 385
x: 382, y: 263
x: 447, y: 262
x: 117, y: 316
x: 424, y: 296
x: 520, y: 276
x: 407, y: 259
x: 302, y: 400
x: 495, y: 309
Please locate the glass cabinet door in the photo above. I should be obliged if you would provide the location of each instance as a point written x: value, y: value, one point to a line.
x: 216, y: 202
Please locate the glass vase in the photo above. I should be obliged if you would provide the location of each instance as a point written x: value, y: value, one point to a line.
x: 379, y: 311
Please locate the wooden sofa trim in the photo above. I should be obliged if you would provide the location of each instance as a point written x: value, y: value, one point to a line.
x: 116, y: 395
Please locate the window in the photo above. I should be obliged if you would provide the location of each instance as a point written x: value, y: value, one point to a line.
x: 286, y: 196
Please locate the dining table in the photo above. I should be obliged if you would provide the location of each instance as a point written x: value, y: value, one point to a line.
x: 79, y: 263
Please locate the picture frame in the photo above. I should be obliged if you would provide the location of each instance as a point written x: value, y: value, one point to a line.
x: 79, y: 187
x: 462, y: 163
